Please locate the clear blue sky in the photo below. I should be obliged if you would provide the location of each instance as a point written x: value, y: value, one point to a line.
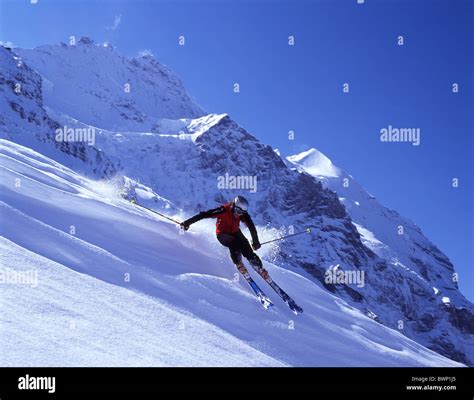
x: 300, y: 88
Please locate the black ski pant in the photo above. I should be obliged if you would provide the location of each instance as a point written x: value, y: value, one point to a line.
x: 238, y: 245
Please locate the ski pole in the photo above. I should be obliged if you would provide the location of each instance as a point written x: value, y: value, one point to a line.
x: 156, y: 212
x: 307, y: 230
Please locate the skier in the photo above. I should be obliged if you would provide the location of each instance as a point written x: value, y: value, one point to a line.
x: 229, y: 234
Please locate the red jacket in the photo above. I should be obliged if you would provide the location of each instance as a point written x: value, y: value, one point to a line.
x: 226, y: 222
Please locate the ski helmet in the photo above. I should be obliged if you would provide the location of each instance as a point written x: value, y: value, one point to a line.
x: 241, y: 204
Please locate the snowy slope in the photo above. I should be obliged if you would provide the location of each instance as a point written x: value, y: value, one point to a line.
x: 181, y: 305
x: 61, y: 323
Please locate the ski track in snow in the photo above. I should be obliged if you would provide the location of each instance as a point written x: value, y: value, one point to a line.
x: 181, y: 305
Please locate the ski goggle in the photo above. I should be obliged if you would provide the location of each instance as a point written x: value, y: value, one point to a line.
x: 239, y: 210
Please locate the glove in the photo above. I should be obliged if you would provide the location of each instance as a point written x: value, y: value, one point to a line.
x: 184, y: 226
x: 256, y: 245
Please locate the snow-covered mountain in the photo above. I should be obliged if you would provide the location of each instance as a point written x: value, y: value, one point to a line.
x: 24, y: 118
x: 133, y: 95
x: 430, y: 300
x: 179, y: 154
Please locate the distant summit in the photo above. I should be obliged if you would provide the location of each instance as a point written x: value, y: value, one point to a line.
x: 100, y: 87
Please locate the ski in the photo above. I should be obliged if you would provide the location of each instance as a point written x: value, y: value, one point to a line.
x: 284, y: 296
x: 287, y: 299
x: 264, y: 300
